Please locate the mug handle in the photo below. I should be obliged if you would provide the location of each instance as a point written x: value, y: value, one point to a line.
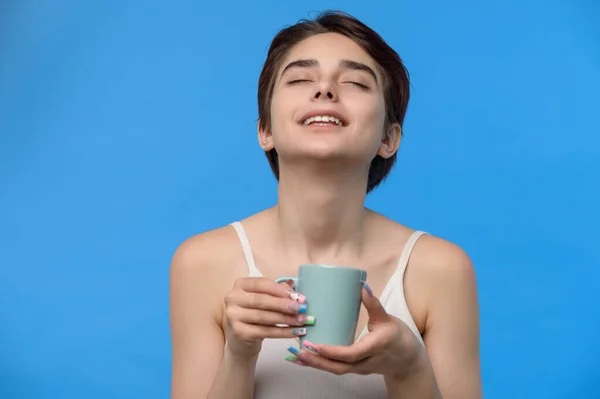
x: 284, y: 279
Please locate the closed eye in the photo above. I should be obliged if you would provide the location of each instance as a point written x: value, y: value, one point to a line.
x: 291, y: 82
x: 362, y: 86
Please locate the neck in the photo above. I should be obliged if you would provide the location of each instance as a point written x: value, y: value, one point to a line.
x: 320, y: 212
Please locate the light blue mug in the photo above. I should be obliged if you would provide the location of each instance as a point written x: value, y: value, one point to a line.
x: 333, y: 297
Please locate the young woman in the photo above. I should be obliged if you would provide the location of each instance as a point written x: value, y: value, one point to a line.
x: 332, y: 99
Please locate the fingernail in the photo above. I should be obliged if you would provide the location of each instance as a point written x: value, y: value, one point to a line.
x: 306, y: 320
x: 369, y: 290
x: 291, y: 358
x: 295, y: 360
x: 298, y: 297
x: 310, y: 346
x: 293, y: 350
x: 299, y: 331
x: 296, y: 307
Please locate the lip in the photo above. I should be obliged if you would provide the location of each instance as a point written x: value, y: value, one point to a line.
x: 328, y: 112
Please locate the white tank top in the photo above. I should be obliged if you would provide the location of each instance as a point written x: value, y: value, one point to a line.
x: 276, y: 378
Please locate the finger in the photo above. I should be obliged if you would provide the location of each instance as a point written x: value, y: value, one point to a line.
x: 265, y: 286
x: 253, y: 331
x: 374, y: 308
x: 290, y: 283
x: 270, y: 318
x: 332, y: 366
x: 271, y: 303
x: 356, y: 352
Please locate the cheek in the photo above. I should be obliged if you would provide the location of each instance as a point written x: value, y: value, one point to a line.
x: 282, y: 114
x: 380, y: 113
x: 374, y: 118
x: 275, y: 114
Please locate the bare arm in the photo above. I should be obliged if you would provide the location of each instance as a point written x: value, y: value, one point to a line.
x: 448, y: 367
x: 201, y: 367
x: 235, y: 378
x: 452, y: 325
x: 419, y: 384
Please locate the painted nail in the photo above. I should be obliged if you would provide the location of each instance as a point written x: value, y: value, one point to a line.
x: 369, y: 290
x: 298, y: 297
x: 299, y: 331
x: 306, y: 320
x: 310, y: 346
x: 291, y: 358
x: 297, y: 307
x: 293, y: 306
x: 293, y: 350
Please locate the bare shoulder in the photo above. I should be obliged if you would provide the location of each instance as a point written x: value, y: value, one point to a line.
x: 203, y: 270
x: 433, y: 260
x: 441, y: 278
x: 438, y: 270
x: 205, y: 248
x: 447, y: 275
x: 440, y: 259
x: 210, y: 261
x: 441, y: 267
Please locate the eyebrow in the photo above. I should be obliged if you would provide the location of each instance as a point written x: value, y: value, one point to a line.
x: 345, y: 64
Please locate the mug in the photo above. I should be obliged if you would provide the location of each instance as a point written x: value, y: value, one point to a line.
x: 333, y: 297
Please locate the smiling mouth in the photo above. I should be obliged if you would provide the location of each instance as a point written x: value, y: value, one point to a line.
x: 322, y: 120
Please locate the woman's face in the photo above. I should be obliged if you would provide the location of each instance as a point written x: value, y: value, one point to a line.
x: 328, y: 103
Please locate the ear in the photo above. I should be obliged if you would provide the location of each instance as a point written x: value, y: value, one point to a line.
x: 265, y: 138
x: 390, y: 142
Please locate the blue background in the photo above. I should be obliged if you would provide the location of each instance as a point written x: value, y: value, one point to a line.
x: 126, y: 127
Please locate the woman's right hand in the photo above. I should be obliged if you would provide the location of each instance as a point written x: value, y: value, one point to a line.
x: 253, y: 308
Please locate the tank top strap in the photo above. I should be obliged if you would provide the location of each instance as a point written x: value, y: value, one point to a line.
x: 397, y: 279
x: 245, y: 243
x: 407, y: 251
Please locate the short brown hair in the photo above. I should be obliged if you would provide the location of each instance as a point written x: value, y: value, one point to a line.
x: 396, y: 77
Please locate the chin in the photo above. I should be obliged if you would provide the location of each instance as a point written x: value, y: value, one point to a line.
x: 323, y: 151
x: 321, y: 155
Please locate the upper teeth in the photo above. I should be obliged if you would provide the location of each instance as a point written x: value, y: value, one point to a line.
x: 322, y: 118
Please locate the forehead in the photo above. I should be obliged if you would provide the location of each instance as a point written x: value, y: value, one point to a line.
x: 329, y: 49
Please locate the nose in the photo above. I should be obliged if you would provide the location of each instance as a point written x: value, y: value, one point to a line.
x: 325, y: 92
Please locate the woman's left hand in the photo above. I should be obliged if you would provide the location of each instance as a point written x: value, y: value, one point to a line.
x: 390, y: 348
